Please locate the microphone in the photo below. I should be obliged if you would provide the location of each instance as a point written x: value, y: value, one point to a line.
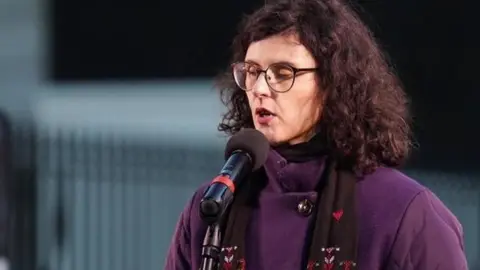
x: 246, y: 151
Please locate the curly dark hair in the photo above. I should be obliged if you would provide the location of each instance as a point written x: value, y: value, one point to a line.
x: 365, y: 120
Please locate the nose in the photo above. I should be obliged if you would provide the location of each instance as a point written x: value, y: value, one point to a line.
x: 261, y: 87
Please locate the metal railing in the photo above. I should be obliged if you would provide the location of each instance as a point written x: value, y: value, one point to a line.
x: 99, y: 201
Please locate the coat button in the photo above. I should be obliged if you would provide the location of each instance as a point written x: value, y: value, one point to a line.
x: 282, y: 163
x: 305, y: 207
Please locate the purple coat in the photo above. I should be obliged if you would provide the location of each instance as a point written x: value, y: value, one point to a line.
x: 402, y: 224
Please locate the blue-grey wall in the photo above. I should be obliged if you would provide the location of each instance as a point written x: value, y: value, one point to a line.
x: 122, y: 198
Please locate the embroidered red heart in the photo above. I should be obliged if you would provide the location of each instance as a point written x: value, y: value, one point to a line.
x: 338, y: 214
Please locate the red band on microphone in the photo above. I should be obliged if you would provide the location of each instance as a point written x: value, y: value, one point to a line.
x: 226, y: 181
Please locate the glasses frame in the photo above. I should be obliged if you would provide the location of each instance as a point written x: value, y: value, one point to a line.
x: 264, y: 71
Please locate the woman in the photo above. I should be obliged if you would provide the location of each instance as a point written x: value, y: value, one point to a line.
x: 309, y: 76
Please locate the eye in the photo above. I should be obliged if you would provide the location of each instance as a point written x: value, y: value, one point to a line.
x: 285, y: 73
x: 281, y: 72
x: 251, y: 70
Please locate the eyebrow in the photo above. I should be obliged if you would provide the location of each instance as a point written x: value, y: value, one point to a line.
x: 284, y: 62
x: 252, y: 62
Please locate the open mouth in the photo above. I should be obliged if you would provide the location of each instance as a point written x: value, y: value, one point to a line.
x: 262, y: 112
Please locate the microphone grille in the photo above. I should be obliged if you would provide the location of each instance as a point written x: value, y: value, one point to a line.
x: 251, y: 141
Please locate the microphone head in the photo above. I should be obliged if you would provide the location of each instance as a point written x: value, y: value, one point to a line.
x: 251, y: 141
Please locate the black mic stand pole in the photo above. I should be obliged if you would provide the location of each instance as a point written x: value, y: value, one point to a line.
x: 211, y: 248
x: 216, y: 200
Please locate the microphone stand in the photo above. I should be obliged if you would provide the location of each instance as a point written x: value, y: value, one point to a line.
x: 211, y: 248
x: 214, y: 204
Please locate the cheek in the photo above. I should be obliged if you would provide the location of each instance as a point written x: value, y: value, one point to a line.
x: 250, y: 99
x: 312, y: 104
x: 302, y: 109
x: 314, y: 111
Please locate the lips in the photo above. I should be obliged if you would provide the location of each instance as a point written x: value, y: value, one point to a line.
x: 263, y: 116
x: 262, y: 112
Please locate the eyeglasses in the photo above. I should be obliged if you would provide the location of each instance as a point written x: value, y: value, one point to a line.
x: 279, y: 77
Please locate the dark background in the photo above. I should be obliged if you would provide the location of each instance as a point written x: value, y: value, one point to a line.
x: 432, y: 44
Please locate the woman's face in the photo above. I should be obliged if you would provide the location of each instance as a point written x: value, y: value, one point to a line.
x: 292, y: 115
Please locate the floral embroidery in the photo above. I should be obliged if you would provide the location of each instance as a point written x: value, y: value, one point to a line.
x: 229, y: 258
x: 347, y: 265
x: 329, y: 261
x: 241, y: 264
x: 313, y: 265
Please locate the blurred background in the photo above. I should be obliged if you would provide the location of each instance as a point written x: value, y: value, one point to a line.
x: 108, y: 119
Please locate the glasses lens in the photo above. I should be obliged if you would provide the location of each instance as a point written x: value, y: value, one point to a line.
x: 280, y: 77
x: 245, y: 75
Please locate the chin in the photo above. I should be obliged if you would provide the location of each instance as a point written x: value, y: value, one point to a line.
x: 274, y: 138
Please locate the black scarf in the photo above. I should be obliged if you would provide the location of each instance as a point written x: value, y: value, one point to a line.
x: 332, y: 241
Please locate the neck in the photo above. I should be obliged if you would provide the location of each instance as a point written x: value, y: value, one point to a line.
x: 303, y: 151
x: 302, y: 138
